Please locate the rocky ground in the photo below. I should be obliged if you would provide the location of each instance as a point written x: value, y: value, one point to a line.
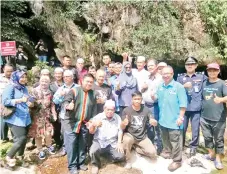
x: 141, y: 165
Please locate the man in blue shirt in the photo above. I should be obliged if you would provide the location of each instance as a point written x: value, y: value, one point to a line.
x: 172, y: 101
x: 192, y: 82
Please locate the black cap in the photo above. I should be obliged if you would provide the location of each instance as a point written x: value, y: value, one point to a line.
x: 191, y: 60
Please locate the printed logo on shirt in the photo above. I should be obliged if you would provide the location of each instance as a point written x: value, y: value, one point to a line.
x: 172, y: 91
x: 101, y: 94
x: 209, y: 93
x: 137, y: 122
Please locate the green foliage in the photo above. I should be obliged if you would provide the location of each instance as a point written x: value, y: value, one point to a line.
x: 4, y: 148
x: 34, y: 73
x: 160, y: 33
x: 214, y: 14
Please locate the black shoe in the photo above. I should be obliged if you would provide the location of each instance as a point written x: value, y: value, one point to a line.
x: 192, y: 153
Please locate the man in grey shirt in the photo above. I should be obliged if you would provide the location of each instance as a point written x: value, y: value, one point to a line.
x: 107, y: 136
x: 213, y: 118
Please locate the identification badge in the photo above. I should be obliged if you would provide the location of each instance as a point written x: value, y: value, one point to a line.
x: 196, y: 88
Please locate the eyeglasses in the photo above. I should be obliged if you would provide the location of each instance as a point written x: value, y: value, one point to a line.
x: 128, y: 67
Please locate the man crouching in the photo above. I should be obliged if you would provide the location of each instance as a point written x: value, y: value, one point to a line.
x: 107, y: 136
x: 134, y: 122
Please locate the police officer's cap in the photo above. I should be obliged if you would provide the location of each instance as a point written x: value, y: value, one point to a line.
x: 191, y: 60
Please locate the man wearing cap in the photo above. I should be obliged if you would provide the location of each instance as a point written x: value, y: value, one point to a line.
x: 213, y: 115
x: 160, y: 66
x: 192, y: 82
x: 107, y: 136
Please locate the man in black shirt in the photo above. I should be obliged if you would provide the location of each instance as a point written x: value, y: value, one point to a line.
x: 213, y: 117
x: 21, y: 59
x: 134, y: 122
x: 41, y: 51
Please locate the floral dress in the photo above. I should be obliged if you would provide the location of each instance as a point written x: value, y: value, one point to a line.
x: 42, y: 113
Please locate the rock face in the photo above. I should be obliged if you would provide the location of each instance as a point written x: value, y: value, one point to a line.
x: 81, y: 28
x: 113, y: 24
x: 36, y: 6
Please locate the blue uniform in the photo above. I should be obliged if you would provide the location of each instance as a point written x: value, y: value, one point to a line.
x: 193, y: 110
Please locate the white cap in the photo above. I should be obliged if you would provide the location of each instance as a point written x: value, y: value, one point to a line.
x: 109, y: 103
x: 141, y: 58
x: 68, y: 73
x: 80, y: 60
x: 162, y: 64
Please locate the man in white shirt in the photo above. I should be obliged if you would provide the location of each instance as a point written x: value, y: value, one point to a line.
x: 107, y: 136
x: 149, y: 92
x: 140, y: 73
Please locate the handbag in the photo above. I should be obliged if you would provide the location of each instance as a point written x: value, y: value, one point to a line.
x: 7, y: 111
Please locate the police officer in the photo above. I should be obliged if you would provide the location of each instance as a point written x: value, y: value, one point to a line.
x: 192, y: 82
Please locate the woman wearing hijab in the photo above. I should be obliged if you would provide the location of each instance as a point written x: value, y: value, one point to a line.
x: 126, y: 85
x: 16, y: 95
x: 43, y: 117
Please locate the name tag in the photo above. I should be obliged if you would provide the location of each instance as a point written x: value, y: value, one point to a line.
x: 196, y: 88
x: 172, y: 92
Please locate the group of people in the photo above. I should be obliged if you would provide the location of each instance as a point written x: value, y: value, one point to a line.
x: 20, y: 60
x: 114, y: 109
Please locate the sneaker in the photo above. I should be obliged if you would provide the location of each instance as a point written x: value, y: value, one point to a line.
x: 51, y: 150
x: 128, y: 165
x: 42, y: 155
x: 174, y: 166
x: 83, y: 167
x: 94, y: 170
x: 218, y: 165
x: 10, y: 161
x: 74, y: 171
x: 63, y: 152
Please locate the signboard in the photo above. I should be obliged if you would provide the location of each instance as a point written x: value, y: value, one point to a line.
x: 8, y: 48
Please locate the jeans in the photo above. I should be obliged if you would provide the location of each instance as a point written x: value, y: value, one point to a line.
x: 194, y: 117
x: 4, y: 129
x: 96, y: 151
x: 172, y: 142
x: 19, y: 140
x: 42, y: 58
x: 213, y: 133
x: 57, y: 133
x: 76, y: 145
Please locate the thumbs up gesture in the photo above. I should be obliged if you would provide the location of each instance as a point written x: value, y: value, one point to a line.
x: 97, y: 123
x: 70, y: 106
x: 217, y: 99
x: 125, y: 121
